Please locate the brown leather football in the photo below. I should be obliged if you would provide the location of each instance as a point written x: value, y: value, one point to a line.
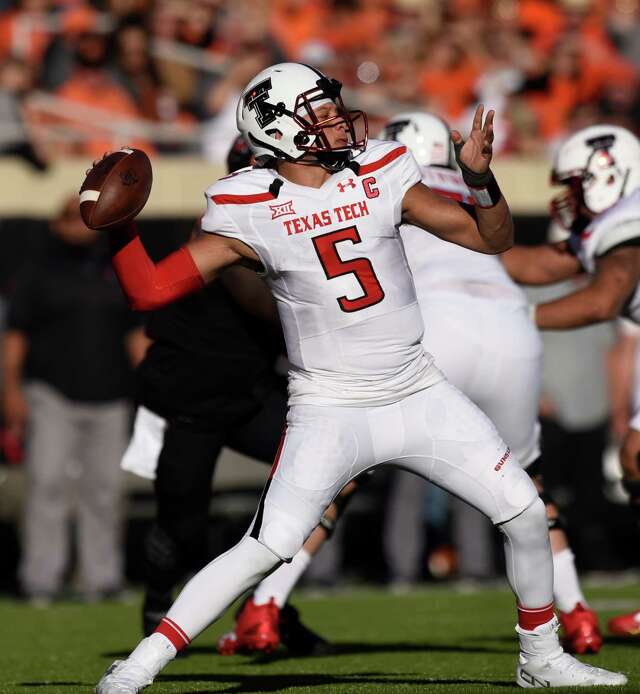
x: 116, y: 189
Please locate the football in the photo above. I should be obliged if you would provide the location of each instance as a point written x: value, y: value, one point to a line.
x: 116, y: 189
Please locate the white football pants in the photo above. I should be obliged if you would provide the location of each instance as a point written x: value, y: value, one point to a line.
x: 437, y: 433
x: 492, y: 352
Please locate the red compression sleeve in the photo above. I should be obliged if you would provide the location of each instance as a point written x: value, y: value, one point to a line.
x: 149, y: 286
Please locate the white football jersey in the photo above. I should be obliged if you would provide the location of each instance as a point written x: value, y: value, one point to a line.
x: 617, y: 225
x: 336, y: 266
x: 438, y: 265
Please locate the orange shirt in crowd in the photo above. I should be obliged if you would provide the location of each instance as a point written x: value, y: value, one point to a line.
x: 543, y: 21
x: 95, y: 89
x: 553, y: 107
x: 23, y: 35
x: 357, y: 29
x: 294, y: 23
x: 450, y: 91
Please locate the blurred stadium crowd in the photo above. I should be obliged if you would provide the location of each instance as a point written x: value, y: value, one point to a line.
x: 165, y: 74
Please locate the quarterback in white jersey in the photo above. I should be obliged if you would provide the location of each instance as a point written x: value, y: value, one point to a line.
x: 319, y: 215
x: 338, y: 272
x: 600, y: 212
x: 479, y: 330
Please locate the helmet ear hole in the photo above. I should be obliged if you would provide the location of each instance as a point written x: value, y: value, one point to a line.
x: 275, y: 133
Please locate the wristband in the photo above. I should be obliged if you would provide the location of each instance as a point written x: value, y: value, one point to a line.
x: 483, y: 186
x: 487, y: 196
x: 532, y: 312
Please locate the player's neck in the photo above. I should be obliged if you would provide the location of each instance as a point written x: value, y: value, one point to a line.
x: 302, y: 174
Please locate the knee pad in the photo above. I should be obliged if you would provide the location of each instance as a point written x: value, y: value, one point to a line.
x: 280, y: 533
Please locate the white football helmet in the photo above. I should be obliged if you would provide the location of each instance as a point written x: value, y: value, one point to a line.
x: 276, y: 115
x: 599, y: 164
x: 427, y: 136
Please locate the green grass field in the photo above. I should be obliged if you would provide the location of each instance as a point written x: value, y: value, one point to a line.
x: 434, y: 640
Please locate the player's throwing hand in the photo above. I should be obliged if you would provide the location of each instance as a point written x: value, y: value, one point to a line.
x: 475, y: 153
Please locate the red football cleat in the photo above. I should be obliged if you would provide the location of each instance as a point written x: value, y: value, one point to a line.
x: 625, y: 624
x: 228, y: 644
x: 581, y: 630
x: 257, y: 629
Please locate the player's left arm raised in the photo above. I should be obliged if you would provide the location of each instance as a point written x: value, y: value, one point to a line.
x: 489, y: 228
x: 616, y: 277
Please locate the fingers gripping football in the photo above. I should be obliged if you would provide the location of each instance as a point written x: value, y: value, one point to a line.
x: 116, y: 189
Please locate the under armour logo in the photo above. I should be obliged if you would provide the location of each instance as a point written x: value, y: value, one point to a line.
x: 348, y: 183
x: 281, y: 210
x: 532, y: 680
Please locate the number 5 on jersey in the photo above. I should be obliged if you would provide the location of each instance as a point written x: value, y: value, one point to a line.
x: 334, y: 266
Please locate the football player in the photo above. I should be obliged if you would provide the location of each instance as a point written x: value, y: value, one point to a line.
x: 599, y: 212
x: 181, y: 425
x: 481, y: 335
x: 319, y: 215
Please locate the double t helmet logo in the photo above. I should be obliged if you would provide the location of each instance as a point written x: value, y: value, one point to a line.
x: 256, y: 100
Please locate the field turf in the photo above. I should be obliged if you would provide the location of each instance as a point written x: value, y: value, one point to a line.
x: 432, y: 640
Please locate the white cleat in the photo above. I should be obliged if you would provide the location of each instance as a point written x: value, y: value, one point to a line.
x: 563, y: 670
x: 543, y: 663
x: 124, y: 677
x: 138, y: 671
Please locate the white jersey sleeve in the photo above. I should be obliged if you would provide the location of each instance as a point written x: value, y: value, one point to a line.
x: 627, y: 231
x: 619, y: 224
x: 239, y: 192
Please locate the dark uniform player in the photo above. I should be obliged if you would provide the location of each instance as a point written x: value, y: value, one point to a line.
x: 236, y: 401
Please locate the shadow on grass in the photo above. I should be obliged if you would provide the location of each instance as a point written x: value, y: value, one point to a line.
x: 275, y: 683
x: 622, y: 641
x: 607, y: 640
x: 349, y: 648
x: 55, y: 684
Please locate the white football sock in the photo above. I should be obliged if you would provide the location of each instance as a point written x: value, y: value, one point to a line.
x: 282, y: 581
x: 219, y: 583
x: 566, y: 586
x: 528, y: 556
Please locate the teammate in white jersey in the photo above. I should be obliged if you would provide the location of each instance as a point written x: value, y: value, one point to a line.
x: 319, y: 215
x: 600, y: 214
x: 479, y: 331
